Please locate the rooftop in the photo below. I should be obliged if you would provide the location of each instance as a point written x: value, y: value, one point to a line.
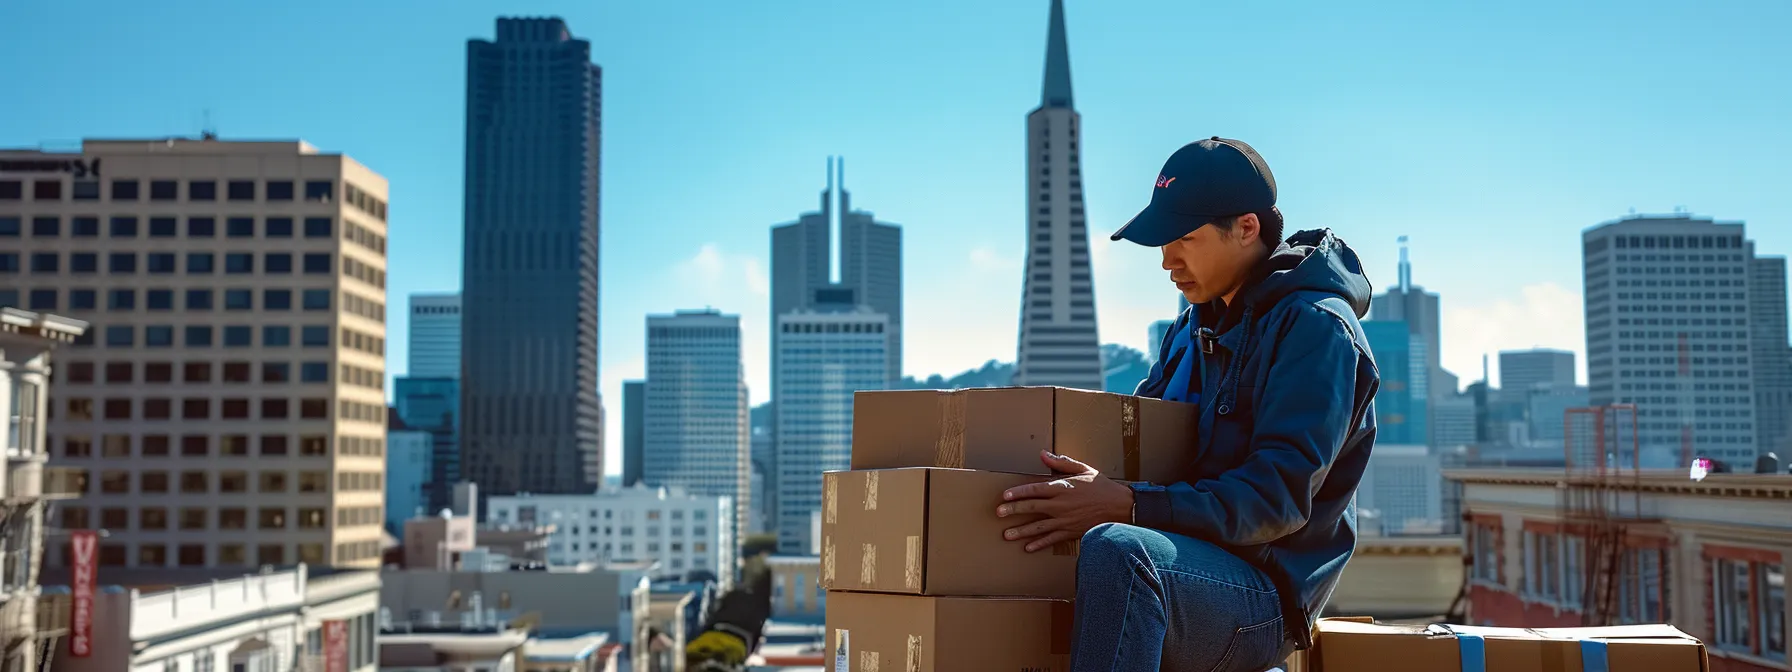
x: 569, y: 648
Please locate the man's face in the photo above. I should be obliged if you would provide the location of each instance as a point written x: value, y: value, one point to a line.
x: 1211, y: 263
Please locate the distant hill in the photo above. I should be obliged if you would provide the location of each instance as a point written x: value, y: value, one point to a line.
x: 993, y: 374
x: 1122, y: 369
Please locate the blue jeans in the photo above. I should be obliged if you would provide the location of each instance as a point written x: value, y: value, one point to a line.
x: 1149, y: 600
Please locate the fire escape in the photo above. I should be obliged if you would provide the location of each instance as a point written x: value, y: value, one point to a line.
x: 1600, y: 500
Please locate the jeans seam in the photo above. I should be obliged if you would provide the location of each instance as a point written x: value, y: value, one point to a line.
x: 1132, y: 586
x: 1215, y: 579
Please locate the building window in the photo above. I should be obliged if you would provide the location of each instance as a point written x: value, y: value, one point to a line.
x: 279, y: 190
x: 202, y: 227
x: 272, y: 519
x: 200, y: 263
x: 164, y: 190
x: 279, y: 227
x: 318, y: 227
x: 42, y: 227
x: 277, y: 263
x: 239, y: 227
x: 122, y: 299
x: 242, y: 190
x: 162, y: 227
x: 47, y: 190
x: 317, y: 299
x: 239, y: 263
x: 202, y: 190
x: 123, y: 263
x: 276, y: 299
x: 1749, y: 603
x: 11, y: 190
x: 317, y: 262
x: 276, y: 336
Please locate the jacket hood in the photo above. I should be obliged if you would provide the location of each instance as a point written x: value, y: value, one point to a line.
x: 1314, y: 260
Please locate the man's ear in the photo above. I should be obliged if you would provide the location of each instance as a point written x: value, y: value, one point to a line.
x: 1248, y: 229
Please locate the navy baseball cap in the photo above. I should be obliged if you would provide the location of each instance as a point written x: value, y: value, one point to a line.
x: 1202, y: 182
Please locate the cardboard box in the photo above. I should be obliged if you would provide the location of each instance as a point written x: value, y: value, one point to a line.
x: 1347, y: 645
x: 1003, y: 429
x: 929, y: 531
x: 871, y: 632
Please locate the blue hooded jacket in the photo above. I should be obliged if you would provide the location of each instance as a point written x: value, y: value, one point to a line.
x: 1286, y: 384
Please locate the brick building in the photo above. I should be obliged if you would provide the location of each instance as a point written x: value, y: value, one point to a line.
x: 1707, y: 556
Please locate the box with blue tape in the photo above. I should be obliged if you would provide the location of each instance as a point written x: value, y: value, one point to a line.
x: 1350, y: 644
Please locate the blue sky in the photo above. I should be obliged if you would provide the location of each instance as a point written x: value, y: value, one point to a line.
x: 1491, y: 135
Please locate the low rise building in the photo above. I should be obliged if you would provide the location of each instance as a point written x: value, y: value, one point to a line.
x: 26, y: 485
x: 583, y: 599
x: 202, y: 620
x: 797, y: 595
x: 1550, y: 548
x: 684, y: 533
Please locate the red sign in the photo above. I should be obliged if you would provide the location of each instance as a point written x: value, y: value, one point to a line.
x: 84, y: 545
x: 335, y: 646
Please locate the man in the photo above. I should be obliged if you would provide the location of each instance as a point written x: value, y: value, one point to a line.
x: 1228, y: 569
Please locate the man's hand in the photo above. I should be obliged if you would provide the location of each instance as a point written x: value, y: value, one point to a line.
x: 1071, y: 505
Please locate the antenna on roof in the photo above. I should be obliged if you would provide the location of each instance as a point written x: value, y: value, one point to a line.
x: 206, y: 130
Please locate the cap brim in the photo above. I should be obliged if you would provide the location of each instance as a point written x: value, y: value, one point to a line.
x: 1157, y: 227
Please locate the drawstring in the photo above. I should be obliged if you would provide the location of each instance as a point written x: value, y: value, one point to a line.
x: 1229, y: 385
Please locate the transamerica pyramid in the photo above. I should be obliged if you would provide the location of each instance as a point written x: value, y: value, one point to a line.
x: 1059, y: 344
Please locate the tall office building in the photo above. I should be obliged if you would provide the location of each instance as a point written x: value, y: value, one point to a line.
x: 1522, y: 370
x: 824, y: 357
x: 1402, y: 486
x: 1771, y: 355
x: 1410, y: 303
x: 1667, y: 312
x: 1402, y: 406
x: 408, y: 453
x: 695, y: 429
x: 634, y: 408
x: 228, y: 400
x: 432, y: 405
x: 1059, y: 344
x: 435, y: 336
x: 870, y: 261
x: 530, y: 261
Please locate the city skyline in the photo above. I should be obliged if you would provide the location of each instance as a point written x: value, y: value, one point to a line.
x: 1435, y: 155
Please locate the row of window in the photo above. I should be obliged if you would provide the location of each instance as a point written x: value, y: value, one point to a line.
x: 118, y: 446
x: 317, y: 191
x: 363, y: 272
x: 82, y: 409
x: 531, y: 513
x: 126, y: 299
x: 84, y: 372
x: 1747, y: 589
x: 194, y: 555
x: 202, y: 336
x: 201, y: 482
x: 165, y: 226
x: 167, y: 263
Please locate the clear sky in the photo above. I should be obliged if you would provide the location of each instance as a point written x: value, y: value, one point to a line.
x: 1491, y: 135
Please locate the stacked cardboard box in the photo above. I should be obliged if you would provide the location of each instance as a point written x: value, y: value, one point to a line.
x: 919, y: 576
x: 1351, y: 644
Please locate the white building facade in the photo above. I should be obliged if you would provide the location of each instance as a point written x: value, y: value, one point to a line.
x: 681, y: 532
x: 26, y: 340
x: 265, y: 623
x: 435, y: 336
x: 823, y: 358
x: 696, y: 434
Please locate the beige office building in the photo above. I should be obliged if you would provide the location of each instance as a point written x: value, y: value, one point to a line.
x: 227, y: 403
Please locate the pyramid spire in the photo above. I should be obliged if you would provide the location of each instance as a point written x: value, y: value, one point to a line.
x: 1056, y: 92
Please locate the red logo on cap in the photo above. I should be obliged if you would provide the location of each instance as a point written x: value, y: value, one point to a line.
x: 1164, y: 181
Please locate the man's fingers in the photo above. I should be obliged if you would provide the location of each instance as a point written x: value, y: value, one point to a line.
x: 1033, y: 529
x: 1036, y: 490
x: 1049, y: 540
x: 1062, y: 464
x: 1026, y: 506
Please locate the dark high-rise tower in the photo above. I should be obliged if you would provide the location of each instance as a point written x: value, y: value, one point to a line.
x: 530, y: 267
x: 1059, y: 344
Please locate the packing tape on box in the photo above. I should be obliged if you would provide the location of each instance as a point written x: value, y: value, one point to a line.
x: 911, y: 564
x: 870, y: 491
x: 1473, y: 646
x: 827, y: 561
x: 1129, y: 436
x: 830, y: 498
x: 868, y: 565
x: 913, y: 658
x: 948, y: 451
